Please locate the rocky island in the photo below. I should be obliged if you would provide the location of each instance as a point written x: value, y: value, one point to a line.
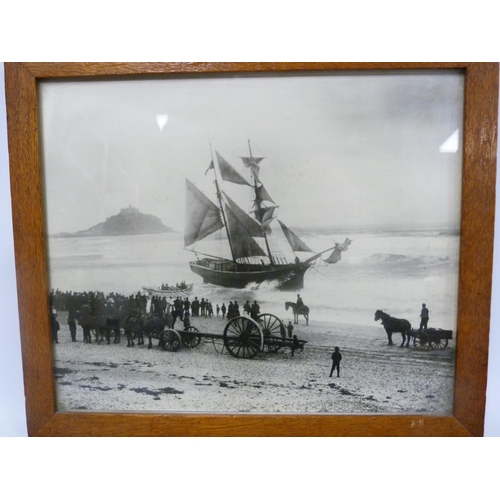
x: 129, y: 221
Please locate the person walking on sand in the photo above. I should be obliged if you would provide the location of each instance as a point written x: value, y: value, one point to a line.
x: 289, y: 327
x: 336, y: 358
x: 424, y: 318
x: 295, y: 345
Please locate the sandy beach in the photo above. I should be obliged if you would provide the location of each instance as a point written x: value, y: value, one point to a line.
x: 374, y: 377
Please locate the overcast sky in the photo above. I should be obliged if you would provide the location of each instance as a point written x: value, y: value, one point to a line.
x: 341, y: 149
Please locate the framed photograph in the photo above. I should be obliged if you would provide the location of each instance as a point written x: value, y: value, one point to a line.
x: 253, y: 249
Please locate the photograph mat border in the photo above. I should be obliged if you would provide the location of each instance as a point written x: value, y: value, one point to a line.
x: 476, y: 251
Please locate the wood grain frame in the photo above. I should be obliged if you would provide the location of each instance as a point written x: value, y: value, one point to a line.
x: 476, y: 255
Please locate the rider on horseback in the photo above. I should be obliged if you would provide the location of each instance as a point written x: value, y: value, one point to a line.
x: 300, y: 302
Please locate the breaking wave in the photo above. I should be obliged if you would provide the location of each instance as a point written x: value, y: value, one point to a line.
x: 392, y: 257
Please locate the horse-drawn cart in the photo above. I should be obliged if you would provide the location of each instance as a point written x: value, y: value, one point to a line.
x: 243, y: 337
x: 431, y: 338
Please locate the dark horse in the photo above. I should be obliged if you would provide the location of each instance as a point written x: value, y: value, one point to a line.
x: 138, y: 325
x: 394, y: 325
x: 298, y: 311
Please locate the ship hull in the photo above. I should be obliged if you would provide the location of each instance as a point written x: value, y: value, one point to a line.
x: 235, y: 275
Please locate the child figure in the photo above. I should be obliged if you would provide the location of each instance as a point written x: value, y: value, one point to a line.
x: 336, y: 357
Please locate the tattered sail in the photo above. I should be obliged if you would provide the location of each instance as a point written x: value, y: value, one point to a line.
x: 255, y: 255
x: 253, y: 163
x: 242, y: 233
x: 202, y: 216
x: 262, y: 195
x: 250, y: 161
x: 228, y: 173
x: 295, y: 242
x: 252, y: 228
x: 337, y: 252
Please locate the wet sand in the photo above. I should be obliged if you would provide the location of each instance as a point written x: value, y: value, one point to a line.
x: 374, y: 377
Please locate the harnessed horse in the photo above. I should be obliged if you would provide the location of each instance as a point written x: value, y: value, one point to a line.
x: 298, y: 311
x: 394, y: 325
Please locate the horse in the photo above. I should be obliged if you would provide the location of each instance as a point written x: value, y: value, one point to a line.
x: 394, y: 325
x: 298, y: 311
x: 154, y: 324
x: 137, y: 325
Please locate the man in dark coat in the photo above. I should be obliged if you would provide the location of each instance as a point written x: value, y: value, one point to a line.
x: 72, y: 324
x: 300, y: 302
x: 424, y: 317
x: 54, y: 327
x: 336, y: 358
x: 255, y: 311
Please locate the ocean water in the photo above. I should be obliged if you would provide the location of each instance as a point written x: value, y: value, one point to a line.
x: 395, y: 271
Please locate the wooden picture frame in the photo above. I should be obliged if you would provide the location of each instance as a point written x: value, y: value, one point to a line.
x: 475, y: 278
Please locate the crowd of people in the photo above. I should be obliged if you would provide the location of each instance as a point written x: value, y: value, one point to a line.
x: 107, y: 314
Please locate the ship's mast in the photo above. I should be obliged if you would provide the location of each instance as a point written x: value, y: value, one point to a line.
x: 258, y: 207
x: 221, y: 205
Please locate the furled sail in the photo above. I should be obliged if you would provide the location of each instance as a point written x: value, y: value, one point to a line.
x: 337, y: 252
x: 228, y: 173
x: 202, y: 216
x: 295, y: 242
x: 250, y: 161
x: 253, y: 163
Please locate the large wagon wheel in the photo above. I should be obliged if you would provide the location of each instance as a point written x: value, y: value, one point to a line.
x: 438, y: 342
x: 272, y: 326
x: 189, y: 337
x: 243, y: 337
x: 421, y: 341
x: 171, y: 340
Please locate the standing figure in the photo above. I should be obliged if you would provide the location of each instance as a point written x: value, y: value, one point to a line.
x: 255, y: 311
x: 223, y: 310
x: 54, y: 327
x: 336, y: 358
x: 295, y: 344
x: 289, y: 327
x: 424, y: 315
x: 247, y: 307
x: 217, y: 308
x: 72, y: 324
x: 187, y: 322
x: 86, y: 320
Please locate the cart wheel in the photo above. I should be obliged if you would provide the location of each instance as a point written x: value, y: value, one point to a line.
x: 272, y: 326
x: 421, y: 341
x: 171, y: 340
x: 243, y: 337
x: 439, y: 343
x: 189, y: 337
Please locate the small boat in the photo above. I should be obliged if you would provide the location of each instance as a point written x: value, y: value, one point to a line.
x: 255, y: 254
x: 183, y: 289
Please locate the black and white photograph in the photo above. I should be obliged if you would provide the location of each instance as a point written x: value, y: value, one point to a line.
x: 254, y: 243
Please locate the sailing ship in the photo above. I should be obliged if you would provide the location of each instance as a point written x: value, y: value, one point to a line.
x: 254, y: 253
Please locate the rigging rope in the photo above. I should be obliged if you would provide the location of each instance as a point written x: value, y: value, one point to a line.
x: 327, y: 277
